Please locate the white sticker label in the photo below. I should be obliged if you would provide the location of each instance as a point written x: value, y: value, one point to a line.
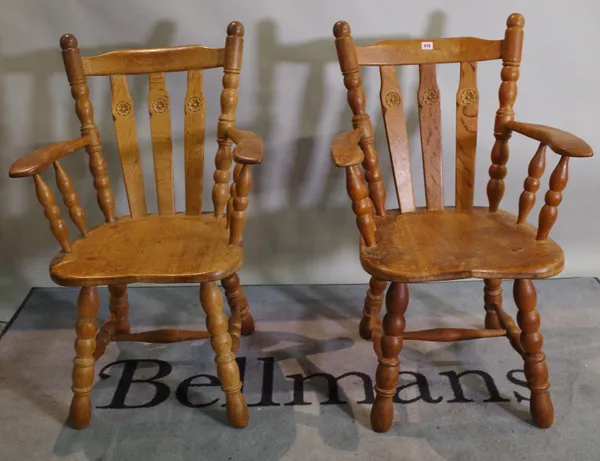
x: 427, y: 45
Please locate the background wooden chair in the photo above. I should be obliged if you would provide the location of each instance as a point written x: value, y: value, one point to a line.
x: 411, y: 244
x: 167, y: 247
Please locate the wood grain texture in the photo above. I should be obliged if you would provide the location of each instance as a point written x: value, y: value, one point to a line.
x: 561, y: 142
x: 532, y: 183
x: 52, y: 212
x: 85, y: 113
x: 451, y: 334
x: 430, y: 123
x: 119, y: 308
x: 452, y: 244
x: 361, y: 204
x: 154, y: 249
x: 227, y: 368
x: 123, y: 113
x: 39, y: 160
x: 348, y: 61
x: 467, y: 111
x: 392, y: 105
x: 549, y: 212
x: 345, y: 149
x: 80, y: 411
x: 159, y: 107
x: 536, y: 370
x: 65, y: 186
x: 386, y: 378
x: 146, y: 61
x: 193, y: 141
x: 443, y: 50
x: 249, y: 146
x: 492, y: 298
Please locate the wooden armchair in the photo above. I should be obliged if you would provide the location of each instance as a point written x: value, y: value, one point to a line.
x: 438, y: 242
x: 167, y: 247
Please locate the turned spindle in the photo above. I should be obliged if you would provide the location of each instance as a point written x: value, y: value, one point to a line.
x: 386, y: 378
x: 240, y: 203
x: 536, y: 370
x: 532, y: 183
x: 511, y: 60
x: 492, y: 298
x: 549, y: 212
x: 229, y: 99
x: 356, y: 98
x: 220, y: 340
x: 85, y: 113
x: 371, y: 320
x: 52, y: 212
x: 70, y: 198
x: 361, y: 204
x: 83, y: 364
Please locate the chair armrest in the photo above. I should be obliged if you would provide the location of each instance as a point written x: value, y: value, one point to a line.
x: 345, y: 150
x: 561, y: 142
x: 37, y: 161
x: 249, y: 146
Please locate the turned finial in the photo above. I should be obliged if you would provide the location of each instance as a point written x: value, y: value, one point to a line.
x: 68, y: 41
x: 235, y: 28
x: 341, y: 29
x: 515, y: 20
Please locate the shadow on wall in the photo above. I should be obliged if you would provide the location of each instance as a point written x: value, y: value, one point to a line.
x: 27, y: 233
x: 300, y: 235
x: 282, y: 246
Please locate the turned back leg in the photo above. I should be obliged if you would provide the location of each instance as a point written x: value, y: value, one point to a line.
x: 373, y: 301
x: 220, y: 340
x: 492, y: 296
x: 238, y: 303
x: 80, y: 412
x: 536, y: 370
x: 396, y: 302
x: 119, y: 308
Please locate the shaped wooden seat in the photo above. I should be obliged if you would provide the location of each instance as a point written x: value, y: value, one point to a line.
x: 168, y: 247
x: 454, y: 244
x: 154, y: 249
x: 438, y: 242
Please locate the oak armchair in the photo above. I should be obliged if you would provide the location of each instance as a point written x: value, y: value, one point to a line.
x: 167, y: 247
x: 439, y: 242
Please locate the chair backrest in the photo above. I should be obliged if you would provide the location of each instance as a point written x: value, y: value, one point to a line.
x: 466, y: 51
x: 156, y: 62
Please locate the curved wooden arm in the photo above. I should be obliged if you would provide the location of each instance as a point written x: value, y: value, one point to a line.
x: 249, y: 146
x: 561, y: 142
x: 37, y: 161
x: 345, y: 150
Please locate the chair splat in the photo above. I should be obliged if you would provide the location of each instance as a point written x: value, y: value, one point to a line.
x: 467, y: 111
x: 159, y: 107
x: 430, y: 123
x: 193, y: 142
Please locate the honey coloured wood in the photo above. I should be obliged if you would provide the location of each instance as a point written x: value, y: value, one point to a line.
x: 167, y: 247
x: 415, y: 243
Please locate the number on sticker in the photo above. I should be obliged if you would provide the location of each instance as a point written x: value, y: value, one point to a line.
x: 427, y: 45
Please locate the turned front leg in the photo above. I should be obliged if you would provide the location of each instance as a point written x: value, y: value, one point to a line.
x: 492, y: 297
x: 83, y: 369
x: 536, y: 370
x: 386, y: 378
x: 220, y: 340
x: 370, y: 320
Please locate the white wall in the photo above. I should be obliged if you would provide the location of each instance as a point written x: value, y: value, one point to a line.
x: 300, y: 227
